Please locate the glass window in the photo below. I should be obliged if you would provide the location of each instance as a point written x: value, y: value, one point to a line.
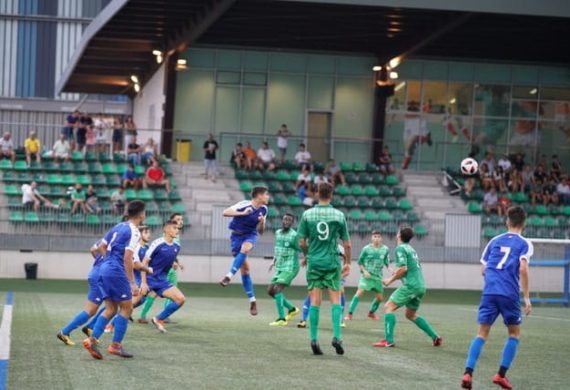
x: 524, y: 109
x: 525, y: 92
x: 414, y: 95
x: 460, y: 98
x: 549, y: 93
x: 558, y: 112
x: 435, y: 97
x: 397, y: 101
x: 492, y: 100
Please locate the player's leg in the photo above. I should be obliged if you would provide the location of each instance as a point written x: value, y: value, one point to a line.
x: 177, y: 300
x: 240, y: 250
x: 275, y: 291
x: 374, y: 306
x: 354, y: 303
x: 77, y: 321
x: 248, y: 287
x: 121, y: 325
x: 172, y: 278
x: 389, y: 323
x: 342, y: 305
x: 91, y: 344
x: 336, y: 318
x: 421, y: 322
x: 149, y: 301
x: 88, y: 329
x: 305, y: 315
x: 511, y: 312
x: 314, y: 314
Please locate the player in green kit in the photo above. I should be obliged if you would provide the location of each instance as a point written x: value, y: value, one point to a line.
x: 319, y: 230
x: 373, y: 258
x: 410, y: 294
x: 286, y: 269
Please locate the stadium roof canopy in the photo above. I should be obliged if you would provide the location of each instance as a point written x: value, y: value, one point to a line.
x: 120, y: 41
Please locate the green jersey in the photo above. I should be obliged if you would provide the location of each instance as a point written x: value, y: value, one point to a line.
x: 323, y: 226
x: 406, y: 256
x: 286, y: 251
x: 374, y: 260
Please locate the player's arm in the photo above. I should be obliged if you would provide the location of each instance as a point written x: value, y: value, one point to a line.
x: 346, y: 244
x: 128, y: 262
x: 94, y: 250
x: 363, y: 270
x: 103, y: 248
x: 233, y: 211
x: 261, y: 224
x: 400, y: 273
x: 524, y: 285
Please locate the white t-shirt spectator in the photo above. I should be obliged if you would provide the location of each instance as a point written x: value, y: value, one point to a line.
x: 505, y: 163
x: 490, y: 164
x: 61, y: 148
x: 563, y: 189
x: 28, y: 193
x: 320, y: 179
x: 6, y: 146
x: 266, y: 155
x: 304, y: 178
x: 100, y: 127
x: 491, y: 199
x: 303, y: 157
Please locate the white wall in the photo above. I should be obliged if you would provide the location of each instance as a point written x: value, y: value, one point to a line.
x: 148, y: 107
x: 210, y: 269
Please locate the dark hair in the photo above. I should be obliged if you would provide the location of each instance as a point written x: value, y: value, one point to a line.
x: 258, y: 190
x: 170, y: 222
x: 303, y: 145
x: 124, y: 218
x: 516, y: 216
x: 406, y: 234
x: 289, y: 215
x: 325, y: 190
x: 239, y: 144
x: 142, y: 228
x: 374, y: 232
x: 174, y: 215
x: 135, y: 208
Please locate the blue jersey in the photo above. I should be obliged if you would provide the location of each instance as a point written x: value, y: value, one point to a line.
x: 162, y: 255
x: 246, y: 224
x: 502, y: 258
x: 122, y: 237
x: 139, y: 256
x: 98, y: 257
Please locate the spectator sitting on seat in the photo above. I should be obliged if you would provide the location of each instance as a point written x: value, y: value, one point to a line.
x: 81, y: 136
x: 129, y: 178
x: 7, y: 147
x: 549, y: 193
x: 527, y: 177
x: 504, y: 203
x: 101, y: 127
x: 71, y: 123
x: 119, y: 199
x: 117, y: 135
x: 134, y: 151
x: 385, y: 162
x: 563, y: 190
x: 334, y: 172
x: 489, y: 161
x: 518, y: 163
x: 265, y: 158
x: 61, y: 149
x: 303, y: 187
x: 303, y: 157
x: 91, y: 200
x: 32, y: 198
x: 515, y: 183
x: 238, y: 157
x: 155, y: 176
x: 303, y: 179
x: 469, y: 184
x: 149, y: 151
x: 491, y: 202
x: 78, y: 198
x: 33, y: 148
x: 250, y: 156
x: 537, y: 187
x: 486, y: 177
x: 555, y: 167
x: 499, y: 179
x: 505, y: 163
x: 319, y: 178
x: 282, y: 139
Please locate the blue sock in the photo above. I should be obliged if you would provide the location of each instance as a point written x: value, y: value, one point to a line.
x: 168, y: 310
x: 120, y: 323
x: 99, y: 327
x: 139, y: 303
x: 248, y: 286
x: 509, y: 352
x: 91, y: 323
x: 474, y: 352
x: 342, y: 301
x: 306, y: 307
x: 79, y: 320
x: 113, y: 320
x: 236, y: 265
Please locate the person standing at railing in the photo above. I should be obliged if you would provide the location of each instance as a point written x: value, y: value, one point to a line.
x: 130, y: 131
x: 210, y: 164
x: 117, y: 136
x: 282, y: 140
x: 71, y: 123
x: 81, y: 136
x: 7, y: 148
x: 33, y: 148
x: 101, y: 127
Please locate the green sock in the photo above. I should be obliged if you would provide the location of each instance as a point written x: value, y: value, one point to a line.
x: 279, y: 303
x: 314, y: 313
x: 336, y: 312
x: 422, y: 323
x: 374, y: 306
x: 288, y: 305
x: 166, y: 302
x: 147, y: 305
x: 389, y: 325
x: 353, y: 304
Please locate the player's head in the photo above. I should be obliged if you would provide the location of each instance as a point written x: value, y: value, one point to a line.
x: 287, y: 221
x: 260, y: 193
x: 325, y: 191
x: 376, y: 237
x: 145, y: 233
x: 170, y: 229
x: 135, y: 211
x: 516, y: 217
x: 178, y: 218
x: 405, y: 234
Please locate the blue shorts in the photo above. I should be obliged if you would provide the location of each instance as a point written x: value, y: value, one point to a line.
x: 94, y: 294
x: 158, y: 285
x: 493, y: 305
x: 237, y: 240
x: 114, y: 283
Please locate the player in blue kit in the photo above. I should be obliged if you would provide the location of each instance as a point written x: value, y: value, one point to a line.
x: 504, y: 264
x: 161, y: 255
x: 116, y: 281
x: 248, y: 220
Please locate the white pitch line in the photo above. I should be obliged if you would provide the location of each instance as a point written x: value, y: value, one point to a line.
x: 531, y: 316
x: 5, y: 333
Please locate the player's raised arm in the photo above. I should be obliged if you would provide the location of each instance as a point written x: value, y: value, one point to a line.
x: 234, y: 211
x: 94, y: 250
x: 400, y: 271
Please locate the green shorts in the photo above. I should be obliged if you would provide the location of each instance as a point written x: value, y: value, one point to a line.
x: 284, y: 277
x: 172, y: 276
x: 371, y: 284
x: 324, y: 279
x: 411, y: 298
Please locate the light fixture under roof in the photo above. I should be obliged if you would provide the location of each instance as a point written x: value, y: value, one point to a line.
x: 156, y: 52
x: 393, y: 75
x: 134, y: 78
x: 400, y: 86
x: 533, y: 91
x: 376, y: 68
x: 394, y: 62
x: 453, y: 101
x: 137, y: 87
x: 181, y: 64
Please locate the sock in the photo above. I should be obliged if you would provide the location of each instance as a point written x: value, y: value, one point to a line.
x: 147, y: 305
x: 168, y: 311
x: 139, y: 303
x: 279, y: 303
x: 389, y: 325
x: 248, y: 287
x: 342, y: 302
x: 113, y: 321
x: 91, y: 323
x: 314, y: 313
x: 306, y: 307
x: 236, y: 265
x: 99, y: 327
x: 474, y: 352
x: 374, y: 306
x: 336, y: 315
x: 422, y: 323
x: 75, y: 323
x: 121, y: 323
x: 509, y: 352
x: 353, y: 304
x: 288, y: 305
x: 166, y: 302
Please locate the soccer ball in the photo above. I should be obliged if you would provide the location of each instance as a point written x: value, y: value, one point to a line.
x: 469, y: 166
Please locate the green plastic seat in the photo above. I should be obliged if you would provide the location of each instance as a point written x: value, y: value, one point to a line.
x: 363, y: 202
x: 6, y: 164
x: 8, y: 176
x: 371, y: 167
x: 63, y: 218
x: 392, y: 180
x: 131, y: 194
x: 535, y: 221
x: 47, y: 216
x: 90, y: 156
x: 541, y: 210
x: 420, y: 231
x: 109, y: 169
x: 345, y: 167
x: 371, y: 190
x: 77, y: 218
x: 378, y: 203
x: 66, y: 167
x: 12, y: 190
x: 279, y: 199
x: 550, y: 222
x: 160, y: 194
x: 21, y: 166
x: 118, y: 157
x: 109, y: 219
x: 362, y: 228
x: 293, y: 200
x: 98, y: 180
x: 342, y: 190
x: 145, y: 194
x: 405, y: 204
x: 411, y: 216
x: 371, y: 215
x: 385, y: 191
x: 283, y: 176
x: 149, y: 206
x: 113, y: 180
x: 474, y: 208
x: 16, y: 216
x: 104, y: 157
x: 337, y: 201
x: 80, y: 167
x: 378, y: 178
x: 122, y: 168
x: 246, y: 186
x: 76, y: 155
x: 364, y: 178
x: 256, y: 175
x: 520, y: 197
x: 139, y: 170
x: 489, y: 233
x: 351, y: 178
x: 241, y: 174
x: 68, y: 180
x: 23, y: 177
x: 398, y: 192
x: 349, y: 201
x: 391, y: 204
x: 273, y: 212
x: 358, y: 167
x: 357, y: 190
x: 14, y: 201
x: 84, y: 180
x: 385, y: 216
x: 93, y: 219
x: 356, y: 215
x: 49, y: 166
x: 178, y: 208
x: 566, y: 211
x: 274, y: 186
x: 269, y: 175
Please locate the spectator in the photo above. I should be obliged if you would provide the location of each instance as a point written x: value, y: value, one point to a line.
x: 91, y: 139
x: 32, y: 198
x: 78, y: 198
x: 71, y: 123
x: 505, y: 163
x: 81, y: 136
x: 537, y: 187
x: 499, y: 179
x: 265, y: 157
x: 540, y: 175
x: 134, y: 151
x: 334, y: 172
x: 61, y: 149
x: 129, y: 178
x: 91, y: 203
x: 563, y: 190
x: 250, y: 156
x: 33, y: 148
x: 319, y: 178
x: 238, y: 157
x: 491, y: 202
x: 130, y: 130
x: 549, y: 193
x: 210, y: 164
x: 527, y: 177
x: 555, y: 167
x: 469, y: 185
x: 303, y: 186
x: 155, y: 176
x: 490, y: 161
x: 303, y: 157
x: 518, y: 163
x: 119, y: 200
x: 282, y: 139
x: 515, y: 182
x: 7, y: 147
x: 385, y: 162
x: 117, y: 136
x: 504, y: 203
x: 149, y: 151
x: 304, y: 179
x: 486, y: 177
x: 101, y: 127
